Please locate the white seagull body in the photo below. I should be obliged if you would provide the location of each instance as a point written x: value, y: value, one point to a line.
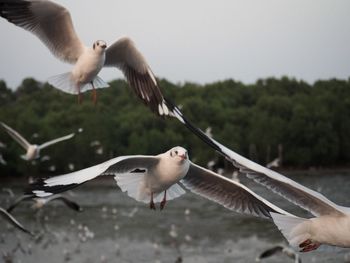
x: 53, y: 25
x: 331, y: 224
x: 158, y: 178
x: 32, y: 150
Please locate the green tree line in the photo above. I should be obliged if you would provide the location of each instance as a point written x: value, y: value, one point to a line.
x: 311, y: 122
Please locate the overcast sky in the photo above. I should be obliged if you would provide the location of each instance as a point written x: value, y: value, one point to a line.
x: 200, y: 41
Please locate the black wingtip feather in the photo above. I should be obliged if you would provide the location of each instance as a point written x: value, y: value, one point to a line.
x: 173, y: 108
x: 40, y: 185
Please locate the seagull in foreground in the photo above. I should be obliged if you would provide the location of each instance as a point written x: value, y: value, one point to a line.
x: 277, y: 250
x: 33, y: 150
x: 8, y: 217
x: 330, y: 226
x: 53, y: 25
x: 41, y: 202
x: 153, y: 179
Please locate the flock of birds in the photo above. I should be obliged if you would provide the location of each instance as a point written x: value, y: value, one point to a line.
x: 160, y: 178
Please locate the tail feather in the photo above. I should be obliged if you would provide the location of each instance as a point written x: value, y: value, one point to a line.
x: 133, y: 183
x: 66, y: 83
x: 174, y: 191
x: 294, y: 229
x: 99, y: 83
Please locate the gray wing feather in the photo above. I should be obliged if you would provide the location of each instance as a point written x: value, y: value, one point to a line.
x: 124, y: 55
x: 305, y: 199
x: 131, y: 164
x: 46, y: 144
x: 69, y: 203
x: 16, y: 136
x: 302, y: 196
x: 228, y: 193
x: 61, y: 183
x: 17, y: 202
x: 50, y: 22
x: 13, y: 220
x: 296, y: 193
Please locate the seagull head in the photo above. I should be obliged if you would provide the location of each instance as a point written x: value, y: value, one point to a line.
x: 99, y: 45
x: 179, y: 152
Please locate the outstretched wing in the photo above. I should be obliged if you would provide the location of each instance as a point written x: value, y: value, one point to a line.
x: 69, y: 203
x: 296, y: 193
x: 16, y: 136
x: 17, y: 202
x: 61, y: 183
x: 124, y: 55
x: 50, y: 22
x: 13, y: 221
x: 46, y: 144
x: 228, y: 193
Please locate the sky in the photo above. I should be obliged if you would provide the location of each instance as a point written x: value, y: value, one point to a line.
x: 199, y: 41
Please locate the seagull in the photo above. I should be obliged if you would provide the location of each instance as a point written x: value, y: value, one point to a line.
x: 33, y: 150
x: 330, y: 224
x: 279, y: 249
x: 41, y: 202
x: 2, y: 160
x: 274, y: 163
x: 277, y: 162
x: 8, y: 217
x: 53, y: 25
x: 9, y: 191
x: 154, y: 179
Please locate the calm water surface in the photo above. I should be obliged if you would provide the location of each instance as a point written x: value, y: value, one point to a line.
x: 115, y: 228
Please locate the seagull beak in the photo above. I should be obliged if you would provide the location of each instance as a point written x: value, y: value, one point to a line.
x: 183, y: 157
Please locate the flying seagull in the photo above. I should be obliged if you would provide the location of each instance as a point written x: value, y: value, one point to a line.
x: 153, y: 179
x: 279, y: 249
x: 2, y: 160
x: 33, y: 150
x: 330, y: 226
x: 53, y: 25
x: 8, y: 217
x: 40, y: 202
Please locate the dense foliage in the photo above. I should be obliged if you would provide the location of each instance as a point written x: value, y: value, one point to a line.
x: 312, y: 122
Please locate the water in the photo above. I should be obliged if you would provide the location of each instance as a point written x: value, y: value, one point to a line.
x: 115, y: 228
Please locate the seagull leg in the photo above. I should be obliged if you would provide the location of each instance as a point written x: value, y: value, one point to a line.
x: 311, y: 247
x: 308, y: 245
x: 94, y: 93
x: 162, y: 204
x: 307, y: 242
x: 151, y: 204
